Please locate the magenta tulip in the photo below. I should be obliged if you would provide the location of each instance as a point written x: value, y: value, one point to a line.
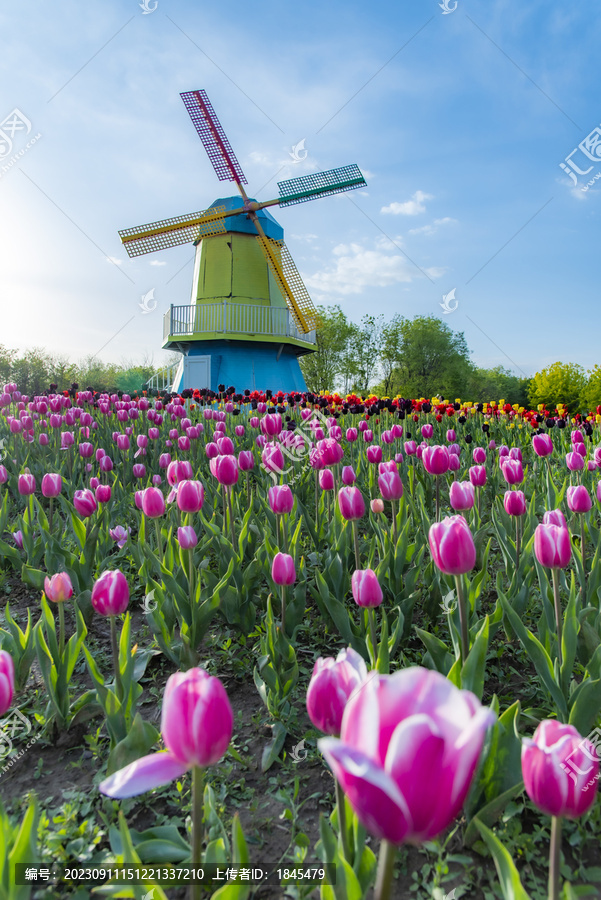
x: 332, y: 683
x: 514, y: 503
x: 283, y: 571
x: 196, y: 724
x: 120, y: 535
x: 542, y: 445
x: 452, y: 546
x: 18, y: 538
x: 374, y: 454
x: 85, y: 503
x: 271, y: 424
x: 7, y: 681
x: 3, y: 475
x: 461, y: 495
x: 326, y: 480
x: 410, y: 448
x: 281, y: 499
x: 479, y: 455
x: 103, y: 493
x: 351, y: 503
x: 52, y: 485
x: 435, y: 459
x: 574, y: 461
x: 272, y: 458
x: 225, y: 469
x: 153, y: 503
x: 579, y: 499
x: 560, y: 770
x: 555, y: 517
x: 408, y: 750
x: 106, y: 464
x: 366, y: 588
x: 455, y: 463
x: 246, y: 460
x: 26, y: 485
x: 512, y: 470
x: 179, y: 470
x: 351, y: 435
x: 110, y: 594
x: 58, y: 588
x: 477, y: 475
x: 427, y: 431
x: 391, y: 486
x: 348, y: 476
x: 190, y: 496
x: 552, y: 546
x: 187, y: 537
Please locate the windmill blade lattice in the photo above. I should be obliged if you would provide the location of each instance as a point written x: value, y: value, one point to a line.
x: 320, y: 184
x: 213, y: 137
x: 173, y: 232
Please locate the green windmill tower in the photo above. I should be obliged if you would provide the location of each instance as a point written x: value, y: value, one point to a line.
x: 250, y: 316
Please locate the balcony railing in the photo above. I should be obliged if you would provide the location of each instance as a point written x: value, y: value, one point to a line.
x: 232, y: 318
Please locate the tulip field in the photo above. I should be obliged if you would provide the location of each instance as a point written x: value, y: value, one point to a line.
x: 267, y: 645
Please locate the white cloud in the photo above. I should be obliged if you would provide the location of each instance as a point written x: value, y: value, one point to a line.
x: 411, y: 207
x: 433, y: 228
x: 158, y: 262
x: 356, y: 267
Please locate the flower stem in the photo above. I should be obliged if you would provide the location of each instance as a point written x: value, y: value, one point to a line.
x: 554, y: 856
x: 197, y: 815
x: 61, y: 629
x: 394, y: 528
x: 342, y: 822
x: 465, y: 639
x: 159, y: 540
x: 229, y: 504
x: 437, y: 477
x: 115, y: 649
x: 372, y: 631
x: 284, y: 610
x: 383, y: 886
x: 558, y: 612
x: 356, y: 541
x: 517, y: 542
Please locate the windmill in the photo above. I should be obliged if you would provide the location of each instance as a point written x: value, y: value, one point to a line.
x: 250, y: 315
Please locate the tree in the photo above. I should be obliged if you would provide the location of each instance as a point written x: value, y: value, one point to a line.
x: 322, y: 368
x: 592, y: 393
x: 390, y: 354
x: 432, y: 359
x: 362, y: 355
x: 559, y: 383
x: 496, y: 384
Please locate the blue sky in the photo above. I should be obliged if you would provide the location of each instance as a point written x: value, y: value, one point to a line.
x: 460, y: 122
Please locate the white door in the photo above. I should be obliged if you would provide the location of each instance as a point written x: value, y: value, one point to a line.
x: 197, y: 372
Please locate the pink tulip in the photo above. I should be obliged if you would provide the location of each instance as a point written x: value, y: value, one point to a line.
x: 552, y: 546
x: 246, y: 460
x: 410, y: 448
x: 332, y: 683
x: 452, y: 545
x: 577, y: 437
x: 179, y: 470
x: 366, y: 588
x: 388, y: 466
x: 190, y: 496
x: 363, y: 426
x: 351, y: 435
x: 374, y: 454
x: 58, y: 588
x: 454, y: 463
x: 272, y: 458
x: 515, y: 503
x: 377, y: 505
x: 348, y: 476
x: 103, y: 493
x: 26, y: 485
x: 515, y: 453
x: 479, y: 455
x: 85, y: 503
x: 225, y: 469
x: 164, y: 460
x: 120, y: 535
x: 153, y: 503
x: 542, y: 445
x: 52, y: 485
x: 187, y: 537
x: 351, y: 503
x: 599, y: 491
x: 281, y: 499
x: 110, y: 594
x: 7, y: 681
x: 579, y: 499
x: 427, y: 431
x: 454, y: 450
x: 560, y: 770
x: 435, y: 459
x: 513, y: 472
x: 86, y: 450
x: 271, y: 424
x: 283, y: 571
x: 451, y: 435
x: 106, y: 464
x: 574, y: 461
x: 225, y: 445
x: 3, y: 475
x: 138, y: 471
x: 368, y: 436
x: 18, y: 538
x: 196, y: 724
x: 461, y: 495
x: 391, y: 486
x: 326, y: 480
x: 503, y: 451
x: 408, y: 750
x: 477, y: 475
x: 555, y: 517
x: 581, y: 449
x: 331, y: 451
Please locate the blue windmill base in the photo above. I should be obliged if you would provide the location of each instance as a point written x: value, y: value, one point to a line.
x: 243, y: 365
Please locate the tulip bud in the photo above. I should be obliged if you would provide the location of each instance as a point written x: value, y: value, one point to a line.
x: 246, y: 460
x: 348, y: 475
x: 103, y: 493
x: 3, y: 475
x: 410, y: 448
x: 282, y: 569
x: 452, y: 546
x: 366, y: 588
x: 110, y: 594
x: 515, y: 503
x: 58, y: 588
x: 377, y: 505
x: 326, y: 480
x: 187, y: 537
x: 139, y: 471
x: 106, y: 464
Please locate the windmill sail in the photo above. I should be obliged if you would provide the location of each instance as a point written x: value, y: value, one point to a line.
x: 320, y: 184
x: 213, y: 137
x: 173, y: 232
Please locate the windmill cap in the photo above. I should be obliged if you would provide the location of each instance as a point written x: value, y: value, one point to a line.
x: 243, y: 224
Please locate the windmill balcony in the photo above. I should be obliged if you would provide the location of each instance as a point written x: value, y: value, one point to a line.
x: 232, y: 321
